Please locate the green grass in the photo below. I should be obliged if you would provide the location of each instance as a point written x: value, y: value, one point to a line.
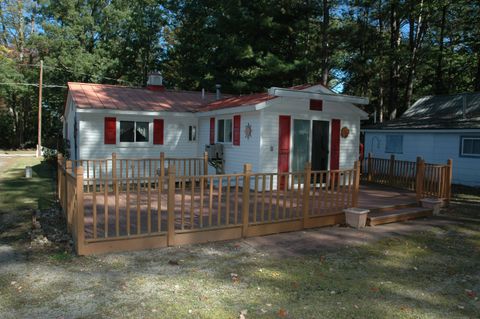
x: 465, y: 202
x: 20, y: 195
x: 427, y: 275
x: 12, y: 152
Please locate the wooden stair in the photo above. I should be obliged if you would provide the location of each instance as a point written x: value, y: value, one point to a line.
x: 396, y: 213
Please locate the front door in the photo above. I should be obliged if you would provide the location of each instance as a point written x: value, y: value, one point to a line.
x: 320, y: 145
x: 301, y: 144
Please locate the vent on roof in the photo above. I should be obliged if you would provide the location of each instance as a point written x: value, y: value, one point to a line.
x: 219, y: 94
x: 155, y: 82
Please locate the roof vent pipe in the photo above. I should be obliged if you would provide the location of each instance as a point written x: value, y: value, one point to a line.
x: 464, y: 106
x: 203, y: 94
x: 217, y: 87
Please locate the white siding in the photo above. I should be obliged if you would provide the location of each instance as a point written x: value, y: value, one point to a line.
x: 176, y: 143
x: 434, y: 148
x: 299, y: 109
x: 69, y: 126
x: 235, y: 156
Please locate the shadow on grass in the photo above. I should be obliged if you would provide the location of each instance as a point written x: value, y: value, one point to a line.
x: 20, y: 195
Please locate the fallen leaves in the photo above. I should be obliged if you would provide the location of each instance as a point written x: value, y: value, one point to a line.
x: 234, y: 277
x: 282, y: 313
x: 375, y: 289
x: 470, y: 293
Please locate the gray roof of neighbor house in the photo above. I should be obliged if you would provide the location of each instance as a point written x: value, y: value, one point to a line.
x: 456, y: 111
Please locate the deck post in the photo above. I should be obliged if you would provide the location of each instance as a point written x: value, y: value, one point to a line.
x: 356, y: 183
x: 419, y: 181
x: 59, y: 163
x: 306, y: 193
x: 162, y: 165
x: 114, y: 172
x: 369, y: 167
x: 247, y: 171
x: 79, y: 217
x: 68, y: 169
x: 391, y: 169
x: 448, y: 188
x: 171, y: 206
x: 205, y: 163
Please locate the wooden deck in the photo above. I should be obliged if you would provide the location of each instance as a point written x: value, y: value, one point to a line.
x: 374, y: 196
x: 389, y: 204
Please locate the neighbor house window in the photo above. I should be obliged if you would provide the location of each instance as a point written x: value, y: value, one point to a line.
x: 131, y: 131
x: 192, y: 133
x: 394, y: 144
x: 470, y: 146
x: 225, y: 131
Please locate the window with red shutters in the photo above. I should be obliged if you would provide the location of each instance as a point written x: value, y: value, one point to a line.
x: 212, y: 130
x: 236, y: 130
x: 316, y: 105
x: 110, y: 130
x: 158, y: 129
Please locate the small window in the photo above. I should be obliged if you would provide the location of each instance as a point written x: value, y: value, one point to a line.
x: 394, y: 144
x: 470, y: 146
x: 192, y: 133
x: 134, y: 131
x: 225, y: 131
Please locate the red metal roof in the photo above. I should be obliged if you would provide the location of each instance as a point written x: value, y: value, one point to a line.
x: 104, y: 96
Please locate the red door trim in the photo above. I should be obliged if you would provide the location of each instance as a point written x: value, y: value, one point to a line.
x: 284, y: 129
x: 335, y: 145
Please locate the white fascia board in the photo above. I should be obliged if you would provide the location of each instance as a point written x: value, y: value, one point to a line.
x: 235, y: 109
x: 332, y: 97
x: 130, y: 112
x: 420, y: 131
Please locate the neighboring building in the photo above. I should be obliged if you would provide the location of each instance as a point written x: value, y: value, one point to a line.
x: 278, y: 130
x: 436, y: 128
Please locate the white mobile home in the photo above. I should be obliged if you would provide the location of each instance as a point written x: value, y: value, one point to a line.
x: 436, y: 128
x: 275, y: 131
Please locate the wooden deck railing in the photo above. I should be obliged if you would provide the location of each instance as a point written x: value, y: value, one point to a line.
x: 143, y: 211
x: 122, y: 167
x: 427, y: 180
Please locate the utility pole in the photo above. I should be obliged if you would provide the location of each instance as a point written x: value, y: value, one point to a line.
x: 40, y: 84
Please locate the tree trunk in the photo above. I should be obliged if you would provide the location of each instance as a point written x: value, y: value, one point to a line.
x: 417, y: 31
x: 439, y: 85
x: 325, y: 53
x: 477, y: 77
x: 394, y: 65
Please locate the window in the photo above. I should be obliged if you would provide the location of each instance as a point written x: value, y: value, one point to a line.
x: 470, y: 146
x: 133, y: 131
x: 192, y: 133
x: 394, y: 144
x: 225, y: 131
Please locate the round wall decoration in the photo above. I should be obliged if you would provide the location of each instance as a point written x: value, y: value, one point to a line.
x: 344, y: 132
x: 248, y: 131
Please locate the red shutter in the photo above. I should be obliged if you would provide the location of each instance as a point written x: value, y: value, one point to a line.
x: 236, y: 130
x: 212, y: 130
x: 110, y: 130
x: 316, y: 105
x: 335, y: 145
x: 283, y: 147
x: 158, y: 128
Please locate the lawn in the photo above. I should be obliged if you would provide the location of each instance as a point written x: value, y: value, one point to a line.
x: 19, y: 195
x: 434, y: 272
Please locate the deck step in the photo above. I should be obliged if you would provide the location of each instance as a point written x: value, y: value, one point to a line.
x: 388, y: 208
x: 397, y: 215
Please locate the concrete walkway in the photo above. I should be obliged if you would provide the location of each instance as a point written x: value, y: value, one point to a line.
x: 327, y: 239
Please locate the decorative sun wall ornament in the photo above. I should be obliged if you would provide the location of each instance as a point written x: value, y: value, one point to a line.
x: 248, y: 131
x: 344, y: 132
